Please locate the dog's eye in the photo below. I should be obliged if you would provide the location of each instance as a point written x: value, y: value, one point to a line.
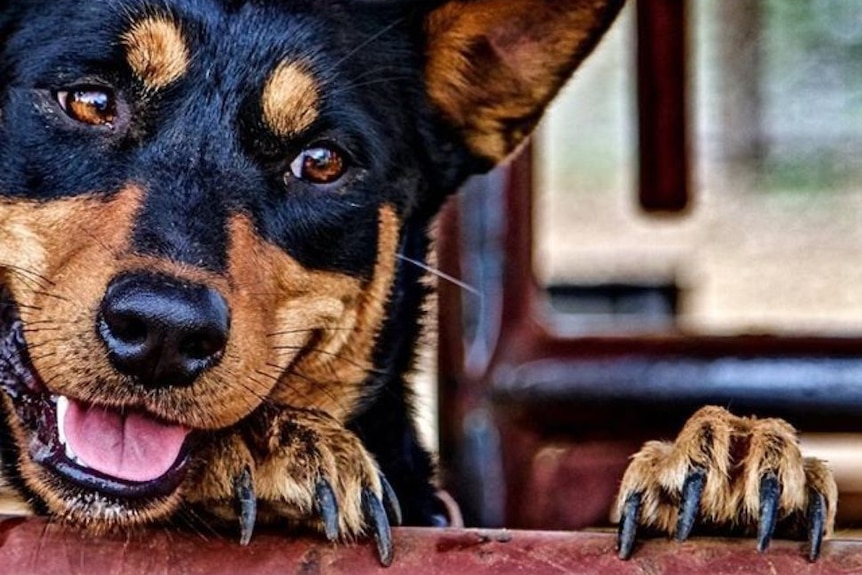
x: 321, y: 164
x: 93, y: 106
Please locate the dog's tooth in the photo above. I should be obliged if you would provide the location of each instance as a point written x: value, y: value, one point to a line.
x: 62, y: 406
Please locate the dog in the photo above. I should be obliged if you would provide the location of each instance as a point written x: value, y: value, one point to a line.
x: 210, y: 212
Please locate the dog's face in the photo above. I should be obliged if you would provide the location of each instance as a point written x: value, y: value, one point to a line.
x: 202, y: 204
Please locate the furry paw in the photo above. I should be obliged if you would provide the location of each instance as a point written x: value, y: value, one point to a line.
x: 728, y: 475
x: 304, y: 468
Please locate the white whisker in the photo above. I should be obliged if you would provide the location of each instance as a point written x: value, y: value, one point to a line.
x: 441, y: 274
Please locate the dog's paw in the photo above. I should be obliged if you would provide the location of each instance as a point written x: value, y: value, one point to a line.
x: 304, y: 468
x: 727, y: 475
x: 316, y: 472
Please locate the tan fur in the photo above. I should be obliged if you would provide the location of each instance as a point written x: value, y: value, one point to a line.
x: 290, y: 99
x: 328, y: 377
x: 156, y: 51
x: 288, y: 452
x: 74, y: 243
x: 735, y: 452
x: 213, y: 487
x: 493, y: 65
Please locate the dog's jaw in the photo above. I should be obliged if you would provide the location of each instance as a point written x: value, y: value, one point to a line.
x: 79, y: 487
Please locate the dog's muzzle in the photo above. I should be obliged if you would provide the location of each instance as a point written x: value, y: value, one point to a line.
x: 125, y: 453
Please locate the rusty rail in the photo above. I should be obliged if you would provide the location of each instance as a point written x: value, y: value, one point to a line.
x: 33, y: 546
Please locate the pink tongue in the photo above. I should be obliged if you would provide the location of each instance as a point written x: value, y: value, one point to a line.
x: 129, y: 446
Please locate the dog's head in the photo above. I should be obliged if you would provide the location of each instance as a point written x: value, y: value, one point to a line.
x: 202, y: 204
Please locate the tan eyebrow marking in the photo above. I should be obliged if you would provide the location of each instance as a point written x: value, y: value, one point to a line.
x: 156, y: 51
x: 290, y: 100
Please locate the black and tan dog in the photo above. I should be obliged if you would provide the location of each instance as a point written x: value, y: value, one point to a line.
x: 207, y: 210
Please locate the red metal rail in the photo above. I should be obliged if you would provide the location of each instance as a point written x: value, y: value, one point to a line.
x: 32, y: 546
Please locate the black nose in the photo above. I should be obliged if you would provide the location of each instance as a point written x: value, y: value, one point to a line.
x: 163, y: 331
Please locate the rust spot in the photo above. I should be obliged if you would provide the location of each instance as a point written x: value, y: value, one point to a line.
x: 462, y: 541
x: 310, y: 564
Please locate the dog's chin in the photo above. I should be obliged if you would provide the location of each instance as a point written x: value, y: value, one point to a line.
x: 92, y: 465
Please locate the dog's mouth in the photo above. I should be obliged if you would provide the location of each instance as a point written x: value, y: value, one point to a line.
x: 123, y: 453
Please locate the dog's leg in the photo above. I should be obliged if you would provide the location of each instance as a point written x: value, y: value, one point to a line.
x: 303, y: 468
x: 727, y: 473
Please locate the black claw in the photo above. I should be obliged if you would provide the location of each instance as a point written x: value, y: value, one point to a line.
x: 770, y: 491
x: 692, y: 490
x: 628, y: 526
x: 246, y: 500
x: 390, y: 502
x: 327, y: 507
x: 816, y: 523
x: 375, y: 515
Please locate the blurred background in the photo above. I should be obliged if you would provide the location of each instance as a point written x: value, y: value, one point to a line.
x: 600, y: 314
x: 771, y: 241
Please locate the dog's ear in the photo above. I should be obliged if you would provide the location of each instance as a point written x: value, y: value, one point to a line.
x: 494, y: 65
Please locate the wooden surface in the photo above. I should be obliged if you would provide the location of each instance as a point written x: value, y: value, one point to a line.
x: 32, y: 546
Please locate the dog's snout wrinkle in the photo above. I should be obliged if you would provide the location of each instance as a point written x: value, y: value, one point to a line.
x: 162, y: 331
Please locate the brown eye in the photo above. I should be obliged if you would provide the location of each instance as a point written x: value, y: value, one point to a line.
x: 319, y: 165
x: 92, y: 106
